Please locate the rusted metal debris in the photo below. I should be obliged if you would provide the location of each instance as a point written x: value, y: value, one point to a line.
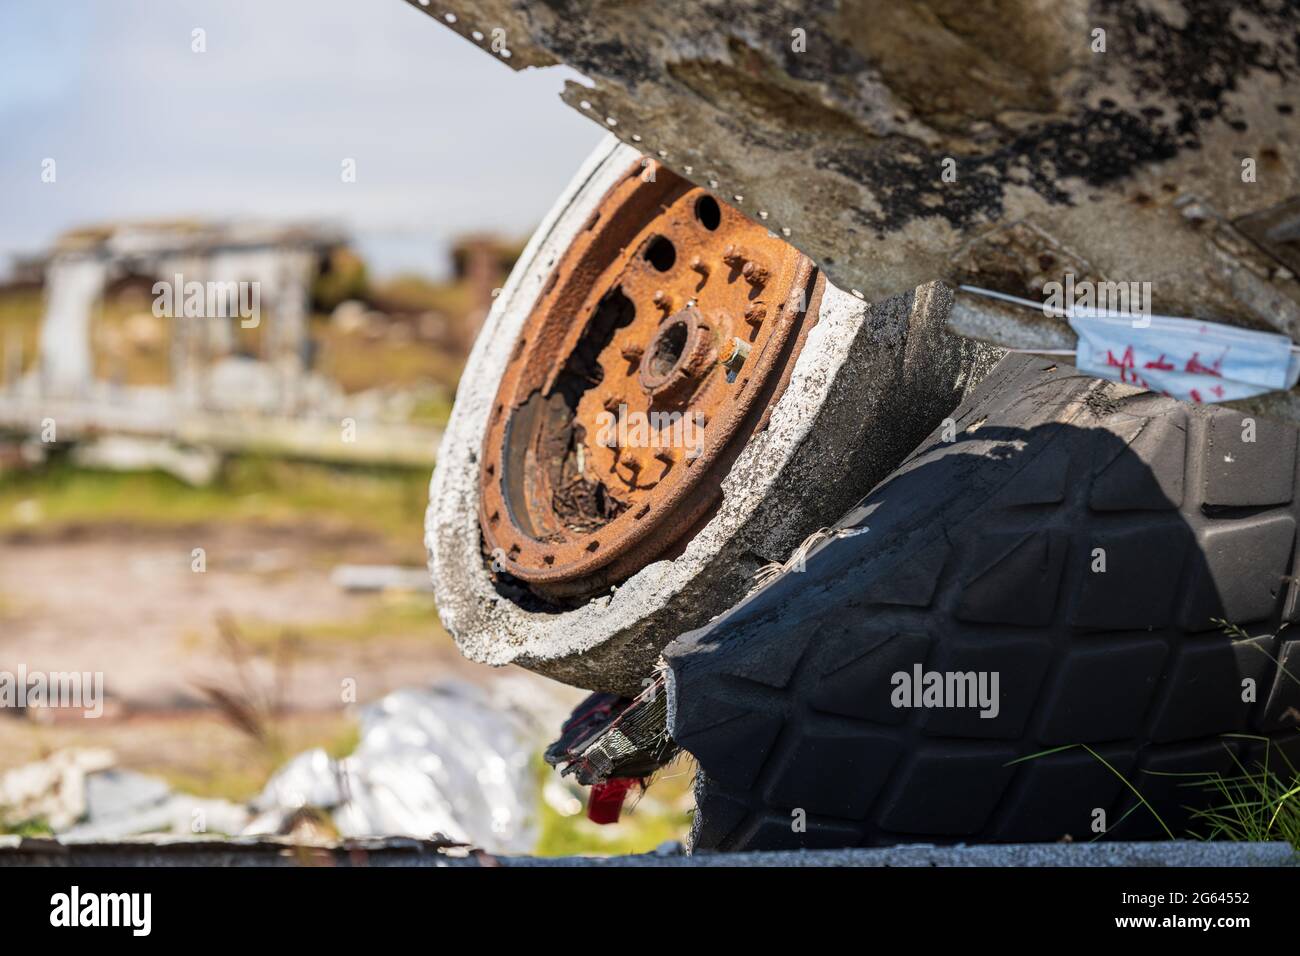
x: 869, y: 383
x: 1000, y: 144
x: 611, y: 737
x: 662, y: 338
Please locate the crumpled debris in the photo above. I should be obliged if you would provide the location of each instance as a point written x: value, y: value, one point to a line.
x: 449, y: 761
x: 51, y: 790
x: 123, y: 803
x: 80, y: 795
x: 452, y: 761
x: 613, y: 744
x: 588, y: 721
x: 115, y: 793
x: 310, y: 779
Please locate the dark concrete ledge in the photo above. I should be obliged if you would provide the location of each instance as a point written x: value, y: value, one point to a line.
x: 16, y: 851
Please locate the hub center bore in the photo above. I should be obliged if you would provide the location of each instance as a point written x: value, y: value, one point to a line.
x: 665, y: 352
x: 681, y: 355
x: 615, y: 421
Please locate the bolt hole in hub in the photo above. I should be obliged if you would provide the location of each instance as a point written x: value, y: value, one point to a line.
x: 661, y: 254
x: 708, y: 212
x: 619, y: 420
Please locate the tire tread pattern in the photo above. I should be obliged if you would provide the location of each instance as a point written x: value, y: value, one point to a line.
x: 980, y: 554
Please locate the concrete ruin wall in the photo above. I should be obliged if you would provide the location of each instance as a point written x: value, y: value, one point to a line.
x: 75, y: 282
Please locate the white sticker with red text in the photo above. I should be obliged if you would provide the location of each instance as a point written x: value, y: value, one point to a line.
x: 1188, y: 359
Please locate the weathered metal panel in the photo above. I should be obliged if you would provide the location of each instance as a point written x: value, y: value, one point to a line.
x: 1122, y: 138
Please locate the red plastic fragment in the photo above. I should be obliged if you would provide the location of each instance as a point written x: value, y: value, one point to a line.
x: 607, y: 798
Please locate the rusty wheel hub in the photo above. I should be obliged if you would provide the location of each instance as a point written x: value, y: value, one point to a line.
x: 661, y: 340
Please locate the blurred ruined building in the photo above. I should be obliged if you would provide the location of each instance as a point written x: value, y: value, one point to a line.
x: 87, y: 264
x: 239, y: 336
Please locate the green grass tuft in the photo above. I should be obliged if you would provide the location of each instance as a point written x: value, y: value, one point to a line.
x: 1258, y: 803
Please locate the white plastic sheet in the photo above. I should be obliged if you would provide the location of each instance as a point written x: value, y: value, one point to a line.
x: 447, y: 760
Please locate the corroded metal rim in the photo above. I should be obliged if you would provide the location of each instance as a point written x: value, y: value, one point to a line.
x: 660, y: 342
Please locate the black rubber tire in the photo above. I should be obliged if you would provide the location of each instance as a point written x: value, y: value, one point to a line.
x: 979, y: 556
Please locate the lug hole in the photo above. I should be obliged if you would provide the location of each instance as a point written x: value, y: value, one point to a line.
x: 661, y: 254
x: 708, y: 212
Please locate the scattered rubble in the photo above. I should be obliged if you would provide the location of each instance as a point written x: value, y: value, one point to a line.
x: 448, y: 761
x: 451, y: 762
x: 52, y: 791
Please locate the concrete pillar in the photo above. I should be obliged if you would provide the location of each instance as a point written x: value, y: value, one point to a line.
x: 74, y: 286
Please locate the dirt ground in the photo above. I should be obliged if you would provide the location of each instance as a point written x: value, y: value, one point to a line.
x: 127, y: 601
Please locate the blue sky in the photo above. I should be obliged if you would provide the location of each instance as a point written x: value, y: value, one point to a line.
x: 446, y: 138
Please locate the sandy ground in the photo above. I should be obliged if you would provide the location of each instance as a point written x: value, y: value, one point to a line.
x: 126, y: 601
x: 129, y: 604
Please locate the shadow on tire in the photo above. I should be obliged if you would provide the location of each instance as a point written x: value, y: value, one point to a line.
x: 1072, y: 595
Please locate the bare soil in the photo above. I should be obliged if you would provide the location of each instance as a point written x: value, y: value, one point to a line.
x: 126, y: 601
